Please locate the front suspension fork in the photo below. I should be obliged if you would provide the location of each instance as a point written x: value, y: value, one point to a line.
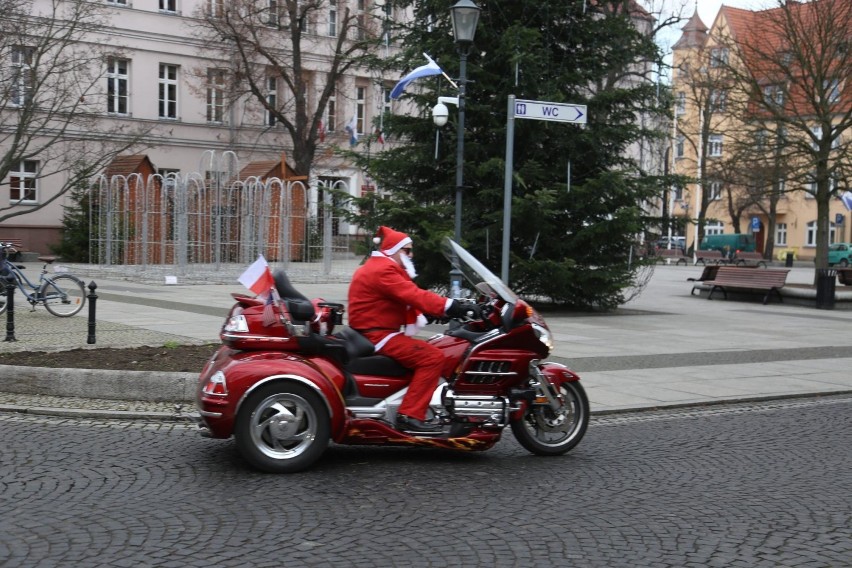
x: 544, y: 390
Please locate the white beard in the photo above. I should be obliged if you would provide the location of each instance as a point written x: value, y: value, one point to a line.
x: 408, y: 265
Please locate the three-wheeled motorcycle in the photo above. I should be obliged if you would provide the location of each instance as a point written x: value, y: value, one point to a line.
x: 289, y: 379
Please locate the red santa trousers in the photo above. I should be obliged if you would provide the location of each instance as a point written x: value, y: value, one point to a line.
x: 426, y: 361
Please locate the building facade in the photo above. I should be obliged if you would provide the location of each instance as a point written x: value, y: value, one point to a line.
x: 159, y: 75
x: 748, y: 176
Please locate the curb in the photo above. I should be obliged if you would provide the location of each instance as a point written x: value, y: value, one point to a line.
x: 100, y: 414
x: 149, y: 386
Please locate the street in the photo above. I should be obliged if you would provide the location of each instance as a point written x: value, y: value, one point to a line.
x: 753, y: 484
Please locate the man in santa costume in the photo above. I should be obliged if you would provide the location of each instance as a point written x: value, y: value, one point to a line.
x: 387, y: 307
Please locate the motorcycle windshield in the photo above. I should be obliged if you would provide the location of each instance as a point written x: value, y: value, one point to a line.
x: 475, y: 273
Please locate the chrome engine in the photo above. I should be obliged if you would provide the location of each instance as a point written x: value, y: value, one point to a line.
x: 485, y: 410
x: 490, y: 410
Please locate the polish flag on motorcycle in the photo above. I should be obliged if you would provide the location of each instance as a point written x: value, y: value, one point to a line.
x: 258, y: 277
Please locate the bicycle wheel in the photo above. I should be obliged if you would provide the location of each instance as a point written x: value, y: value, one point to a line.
x: 63, y: 295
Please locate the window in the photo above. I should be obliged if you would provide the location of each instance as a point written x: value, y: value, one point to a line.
x: 362, y: 19
x: 832, y: 90
x: 215, y: 8
x: 810, y: 234
x: 817, y: 132
x: 168, y: 91
x: 714, y: 145
x: 718, y: 100
x: 117, y: 85
x: 761, y: 137
x: 714, y: 228
x: 718, y: 57
x: 387, y: 106
x: 331, y: 112
x: 169, y: 6
x: 332, y: 18
x: 23, y: 184
x: 773, y: 94
x: 360, y: 108
x: 680, y: 103
x: 273, y: 17
x: 271, y: 100
x: 715, y: 191
x: 117, y: 2
x: 781, y: 234
x: 23, y: 75
x: 216, y: 95
x: 680, y: 146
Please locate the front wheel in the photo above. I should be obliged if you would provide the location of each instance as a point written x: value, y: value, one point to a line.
x: 63, y: 295
x: 843, y: 263
x: 282, y: 428
x: 547, y: 433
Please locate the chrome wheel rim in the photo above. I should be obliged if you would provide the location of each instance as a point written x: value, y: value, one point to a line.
x: 556, y: 428
x: 283, y: 426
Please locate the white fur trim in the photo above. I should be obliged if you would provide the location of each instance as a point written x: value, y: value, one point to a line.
x: 399, y: 245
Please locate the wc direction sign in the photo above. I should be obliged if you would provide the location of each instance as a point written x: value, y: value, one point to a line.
x: 557, y: 112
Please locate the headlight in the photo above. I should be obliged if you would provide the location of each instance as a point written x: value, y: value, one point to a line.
x: 237, y: 323
x: 543, y: 335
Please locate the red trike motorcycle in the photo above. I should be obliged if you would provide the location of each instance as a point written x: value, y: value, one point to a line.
x: 287, y: 385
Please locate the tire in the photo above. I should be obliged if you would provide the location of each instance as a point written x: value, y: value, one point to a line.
x: 283, y: 427
x: 63, y: 295
x: 545, y: 434
x: 843, y: 264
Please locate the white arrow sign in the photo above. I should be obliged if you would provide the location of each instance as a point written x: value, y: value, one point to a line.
x: 541, y: 110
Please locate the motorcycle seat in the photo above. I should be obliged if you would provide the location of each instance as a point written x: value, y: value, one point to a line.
x: 362, y: 357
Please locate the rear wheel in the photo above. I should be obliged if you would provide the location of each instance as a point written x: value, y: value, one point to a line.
x: 282, y: 428
x: 63, y: 295
x: 547, y: 433
x: 843, y: 263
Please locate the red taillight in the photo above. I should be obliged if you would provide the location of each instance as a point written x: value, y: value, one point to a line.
x: 216, y: 385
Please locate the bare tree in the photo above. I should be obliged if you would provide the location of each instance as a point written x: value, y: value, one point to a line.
x: 794, y: 71
x: 303, y: 44
x: 705, y: 87
x: 52, y: 125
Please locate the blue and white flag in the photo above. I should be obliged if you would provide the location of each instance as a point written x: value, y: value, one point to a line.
x: 352, y: 129
x: 427, y: 70
x: 846, y: 198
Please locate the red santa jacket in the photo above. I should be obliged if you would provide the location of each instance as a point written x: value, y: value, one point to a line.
x: 381, y: 295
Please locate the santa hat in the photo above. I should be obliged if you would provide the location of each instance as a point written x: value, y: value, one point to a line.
x: 391, y: 241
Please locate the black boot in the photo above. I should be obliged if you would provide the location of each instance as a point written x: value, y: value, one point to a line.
x: 409, y: 424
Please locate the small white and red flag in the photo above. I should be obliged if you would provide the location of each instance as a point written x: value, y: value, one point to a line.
x: 258, y: 277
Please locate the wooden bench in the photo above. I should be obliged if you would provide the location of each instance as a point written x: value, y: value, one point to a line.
x: 750, y: 259
x: 674, y: 255
x: 708, y: 273
x: 844, y: 276
x: 18, y: 244
x: 732, y: 277
x: 705, y: 256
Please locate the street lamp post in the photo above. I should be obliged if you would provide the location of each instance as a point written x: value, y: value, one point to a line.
x: 465, y: 16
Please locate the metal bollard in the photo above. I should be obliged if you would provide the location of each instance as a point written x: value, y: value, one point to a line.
x: 10, y: 307
x: 92, y: 299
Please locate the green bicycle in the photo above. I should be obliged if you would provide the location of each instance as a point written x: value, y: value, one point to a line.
x: 62, y: 295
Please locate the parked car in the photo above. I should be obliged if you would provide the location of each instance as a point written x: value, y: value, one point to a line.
x: 840, y: 254
x: 677, y: 243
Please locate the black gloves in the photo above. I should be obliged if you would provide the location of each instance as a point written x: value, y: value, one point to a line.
x: 460, y: 310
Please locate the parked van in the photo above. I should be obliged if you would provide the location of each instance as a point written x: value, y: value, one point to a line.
x: 729, y: 244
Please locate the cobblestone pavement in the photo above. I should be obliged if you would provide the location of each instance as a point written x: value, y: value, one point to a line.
x: 737, y: 485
